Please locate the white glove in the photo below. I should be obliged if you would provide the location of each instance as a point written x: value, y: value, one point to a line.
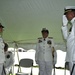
x: 65, y: 21
x: 73, y: 21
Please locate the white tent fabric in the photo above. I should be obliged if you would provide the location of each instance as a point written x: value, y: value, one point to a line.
x: 24, y: 19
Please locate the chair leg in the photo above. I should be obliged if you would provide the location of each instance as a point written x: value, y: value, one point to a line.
x: 72, y: 69
x: 31, y: 71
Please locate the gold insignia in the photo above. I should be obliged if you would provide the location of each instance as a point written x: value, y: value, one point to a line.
x: 49, y: 42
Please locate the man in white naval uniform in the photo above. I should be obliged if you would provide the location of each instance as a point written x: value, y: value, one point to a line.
x: 45, y: 53
x: 69, y: 35
x: 2, y: 56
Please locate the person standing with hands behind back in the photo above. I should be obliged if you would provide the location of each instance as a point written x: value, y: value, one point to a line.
x: 69, y: 36
x: 45, y: 53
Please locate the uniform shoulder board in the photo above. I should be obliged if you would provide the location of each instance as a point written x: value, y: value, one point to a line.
x: 39, y: 40
x: 50, y: 37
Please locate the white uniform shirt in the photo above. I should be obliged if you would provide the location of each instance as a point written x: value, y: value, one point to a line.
x: 44, y: 50
x: 2, y: 55
x: 70, y: 38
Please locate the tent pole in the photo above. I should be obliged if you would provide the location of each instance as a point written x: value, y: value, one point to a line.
x: 16, y: 46
x: 16, y: 51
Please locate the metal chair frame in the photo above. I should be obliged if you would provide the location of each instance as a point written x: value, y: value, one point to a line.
x: 26, y: 63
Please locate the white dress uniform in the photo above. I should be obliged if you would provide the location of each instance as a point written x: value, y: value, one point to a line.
x: 43, y: 56
x: 2, y: 55
x: 70, y: 38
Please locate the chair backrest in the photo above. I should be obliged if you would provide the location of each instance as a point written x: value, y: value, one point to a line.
x: 26, y: 62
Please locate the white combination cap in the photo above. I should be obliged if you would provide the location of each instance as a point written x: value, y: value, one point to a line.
x: 45, y: 30
x: 69, y: 8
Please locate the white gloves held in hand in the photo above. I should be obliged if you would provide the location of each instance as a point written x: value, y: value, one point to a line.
x: 64, y: 20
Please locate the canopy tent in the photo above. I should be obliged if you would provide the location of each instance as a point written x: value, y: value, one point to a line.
x: 24, y: 19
